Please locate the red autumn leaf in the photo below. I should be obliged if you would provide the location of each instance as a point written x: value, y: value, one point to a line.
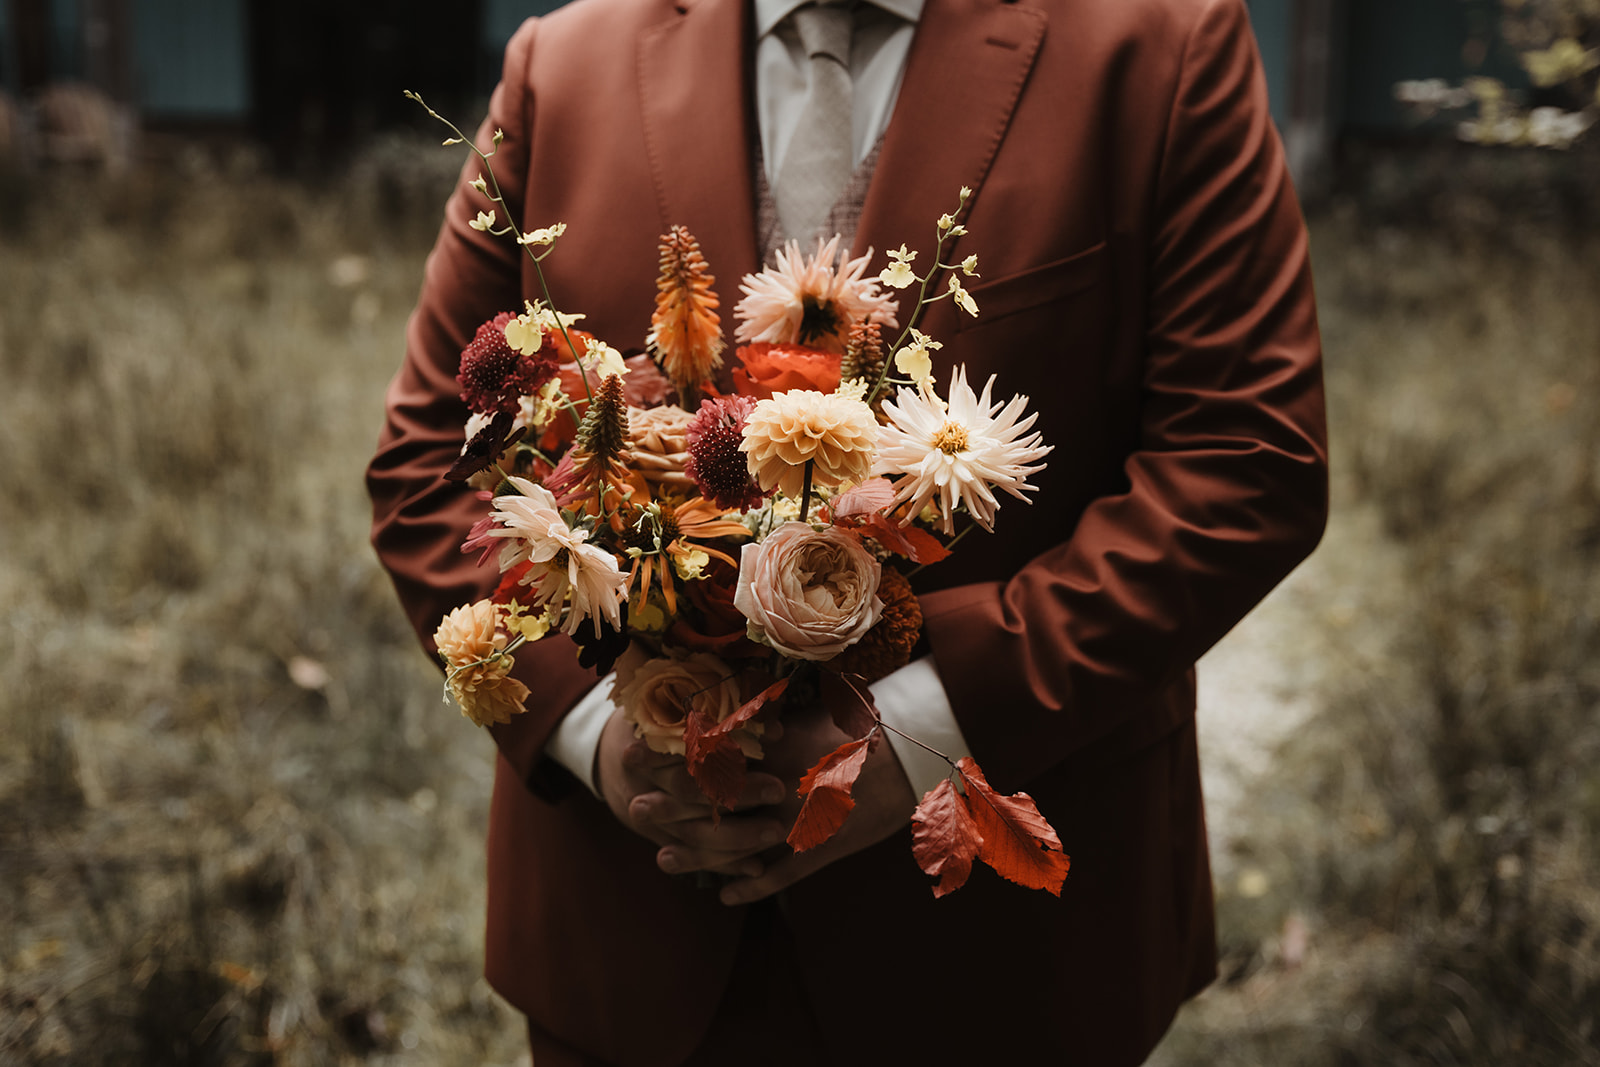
x: 855, y: 713
x: 944, y: 839
x: 748, y: 709
x: 714, y: 759
x: 862, y: 508
x: 872, y: 495
x: 1017, y: 841
x: 826, y: 788
x: 916, y: 544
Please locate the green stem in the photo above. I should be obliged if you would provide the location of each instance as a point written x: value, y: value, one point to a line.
x: 498, y: 197
x: 515, y: 644
x: 805, y: 493
x: 879, y: 719
x: 923, y: 300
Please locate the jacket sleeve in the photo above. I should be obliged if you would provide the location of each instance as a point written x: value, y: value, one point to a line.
x: 1227, y: 487
x: 419, y: 519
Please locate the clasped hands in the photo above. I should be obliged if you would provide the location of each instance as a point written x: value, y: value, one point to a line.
x: 652, y: 794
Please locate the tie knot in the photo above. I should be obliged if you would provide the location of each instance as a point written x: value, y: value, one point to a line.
x: 824, y: 30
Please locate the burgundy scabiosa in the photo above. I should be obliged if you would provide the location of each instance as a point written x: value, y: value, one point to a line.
x: 494, y: 375
x: 716, y: 463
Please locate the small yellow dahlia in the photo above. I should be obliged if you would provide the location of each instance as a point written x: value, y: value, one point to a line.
x: 470, y: 639
x: 835, y: 432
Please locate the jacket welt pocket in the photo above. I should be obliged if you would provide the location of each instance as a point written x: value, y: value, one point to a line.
x: 1036, y: 286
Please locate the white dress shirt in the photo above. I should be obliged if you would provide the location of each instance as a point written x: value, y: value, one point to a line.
x: 913, y: 698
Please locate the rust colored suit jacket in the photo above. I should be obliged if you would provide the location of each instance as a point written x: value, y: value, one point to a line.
x: 1145, y: 281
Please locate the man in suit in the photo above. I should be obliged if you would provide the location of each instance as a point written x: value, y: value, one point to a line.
x: 1146, y: 282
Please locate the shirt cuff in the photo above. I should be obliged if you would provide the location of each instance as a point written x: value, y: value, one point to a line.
x: 576, y: 739
x: 913, y: 699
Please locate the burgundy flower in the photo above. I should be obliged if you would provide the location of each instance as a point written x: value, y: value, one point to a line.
x: 715, y: 462
x: 486, y: 447
x: 494, y: 376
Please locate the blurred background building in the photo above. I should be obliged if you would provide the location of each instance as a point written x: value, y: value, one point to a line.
x: 309, y: 78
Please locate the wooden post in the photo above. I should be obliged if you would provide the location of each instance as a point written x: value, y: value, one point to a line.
x: 1308, y: 138
x: 30, y: 26
x: 107, y: 48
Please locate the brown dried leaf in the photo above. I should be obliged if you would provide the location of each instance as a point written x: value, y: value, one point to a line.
x: 1018, y: 842
x: 826, y: 788
x: 944, y: 839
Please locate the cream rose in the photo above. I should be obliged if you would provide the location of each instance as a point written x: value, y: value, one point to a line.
x: 656, y: 694
x: 808, y: 594
x: 658, y: 443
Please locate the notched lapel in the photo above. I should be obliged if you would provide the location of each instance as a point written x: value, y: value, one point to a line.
x: 695, y: 100
x: 968, y: 64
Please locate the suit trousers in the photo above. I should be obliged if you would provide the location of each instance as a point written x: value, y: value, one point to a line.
x: 764, y: 1015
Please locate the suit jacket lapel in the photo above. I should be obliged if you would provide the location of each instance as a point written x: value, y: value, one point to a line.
x: 968, y: 64
x: 695, y: 97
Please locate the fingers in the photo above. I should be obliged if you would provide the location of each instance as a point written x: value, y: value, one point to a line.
x: 736, y: 854
x: 669, y: 774
x: 778, y: 876
x: 761, y: 789
x: 675, y: 859
x: 691, y: 841
x: 669, y: 809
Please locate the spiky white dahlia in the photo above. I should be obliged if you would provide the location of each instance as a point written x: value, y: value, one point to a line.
x: 566, y: 568
x: 807, y: 300
x: 956, y: 453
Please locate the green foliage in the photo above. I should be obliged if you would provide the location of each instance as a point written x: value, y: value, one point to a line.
x: 1558, y: 43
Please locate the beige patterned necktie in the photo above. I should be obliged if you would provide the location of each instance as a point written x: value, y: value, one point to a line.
x: 819, y: 158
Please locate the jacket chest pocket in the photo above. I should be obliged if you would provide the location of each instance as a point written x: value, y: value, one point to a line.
x: 1036, y: 287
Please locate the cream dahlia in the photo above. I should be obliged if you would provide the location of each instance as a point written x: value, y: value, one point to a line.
x: 835, y: 432
x: 950, y: 454
x: 470, y: 639
x: 566, y: 568
x: 810, y: 301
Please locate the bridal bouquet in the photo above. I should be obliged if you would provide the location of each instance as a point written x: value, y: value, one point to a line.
x: 717, y: 548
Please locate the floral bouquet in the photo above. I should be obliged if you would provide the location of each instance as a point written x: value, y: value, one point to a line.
x: 719, y: 547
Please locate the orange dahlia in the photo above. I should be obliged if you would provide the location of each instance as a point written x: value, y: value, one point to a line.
x: 886, y: 647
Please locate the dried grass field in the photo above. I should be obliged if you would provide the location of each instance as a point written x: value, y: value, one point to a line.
x: 237, y: 826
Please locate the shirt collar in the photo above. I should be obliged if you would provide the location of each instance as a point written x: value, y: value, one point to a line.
x: 771, y: 12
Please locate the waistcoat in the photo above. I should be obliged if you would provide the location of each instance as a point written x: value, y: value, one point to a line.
x: 843, y: 217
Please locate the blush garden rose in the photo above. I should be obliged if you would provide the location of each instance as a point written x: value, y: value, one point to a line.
x: 656, y: 695
x: 809, y: 593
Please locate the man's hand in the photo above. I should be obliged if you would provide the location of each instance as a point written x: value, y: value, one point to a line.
x: 883, y: 796
x: 653, y: 795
